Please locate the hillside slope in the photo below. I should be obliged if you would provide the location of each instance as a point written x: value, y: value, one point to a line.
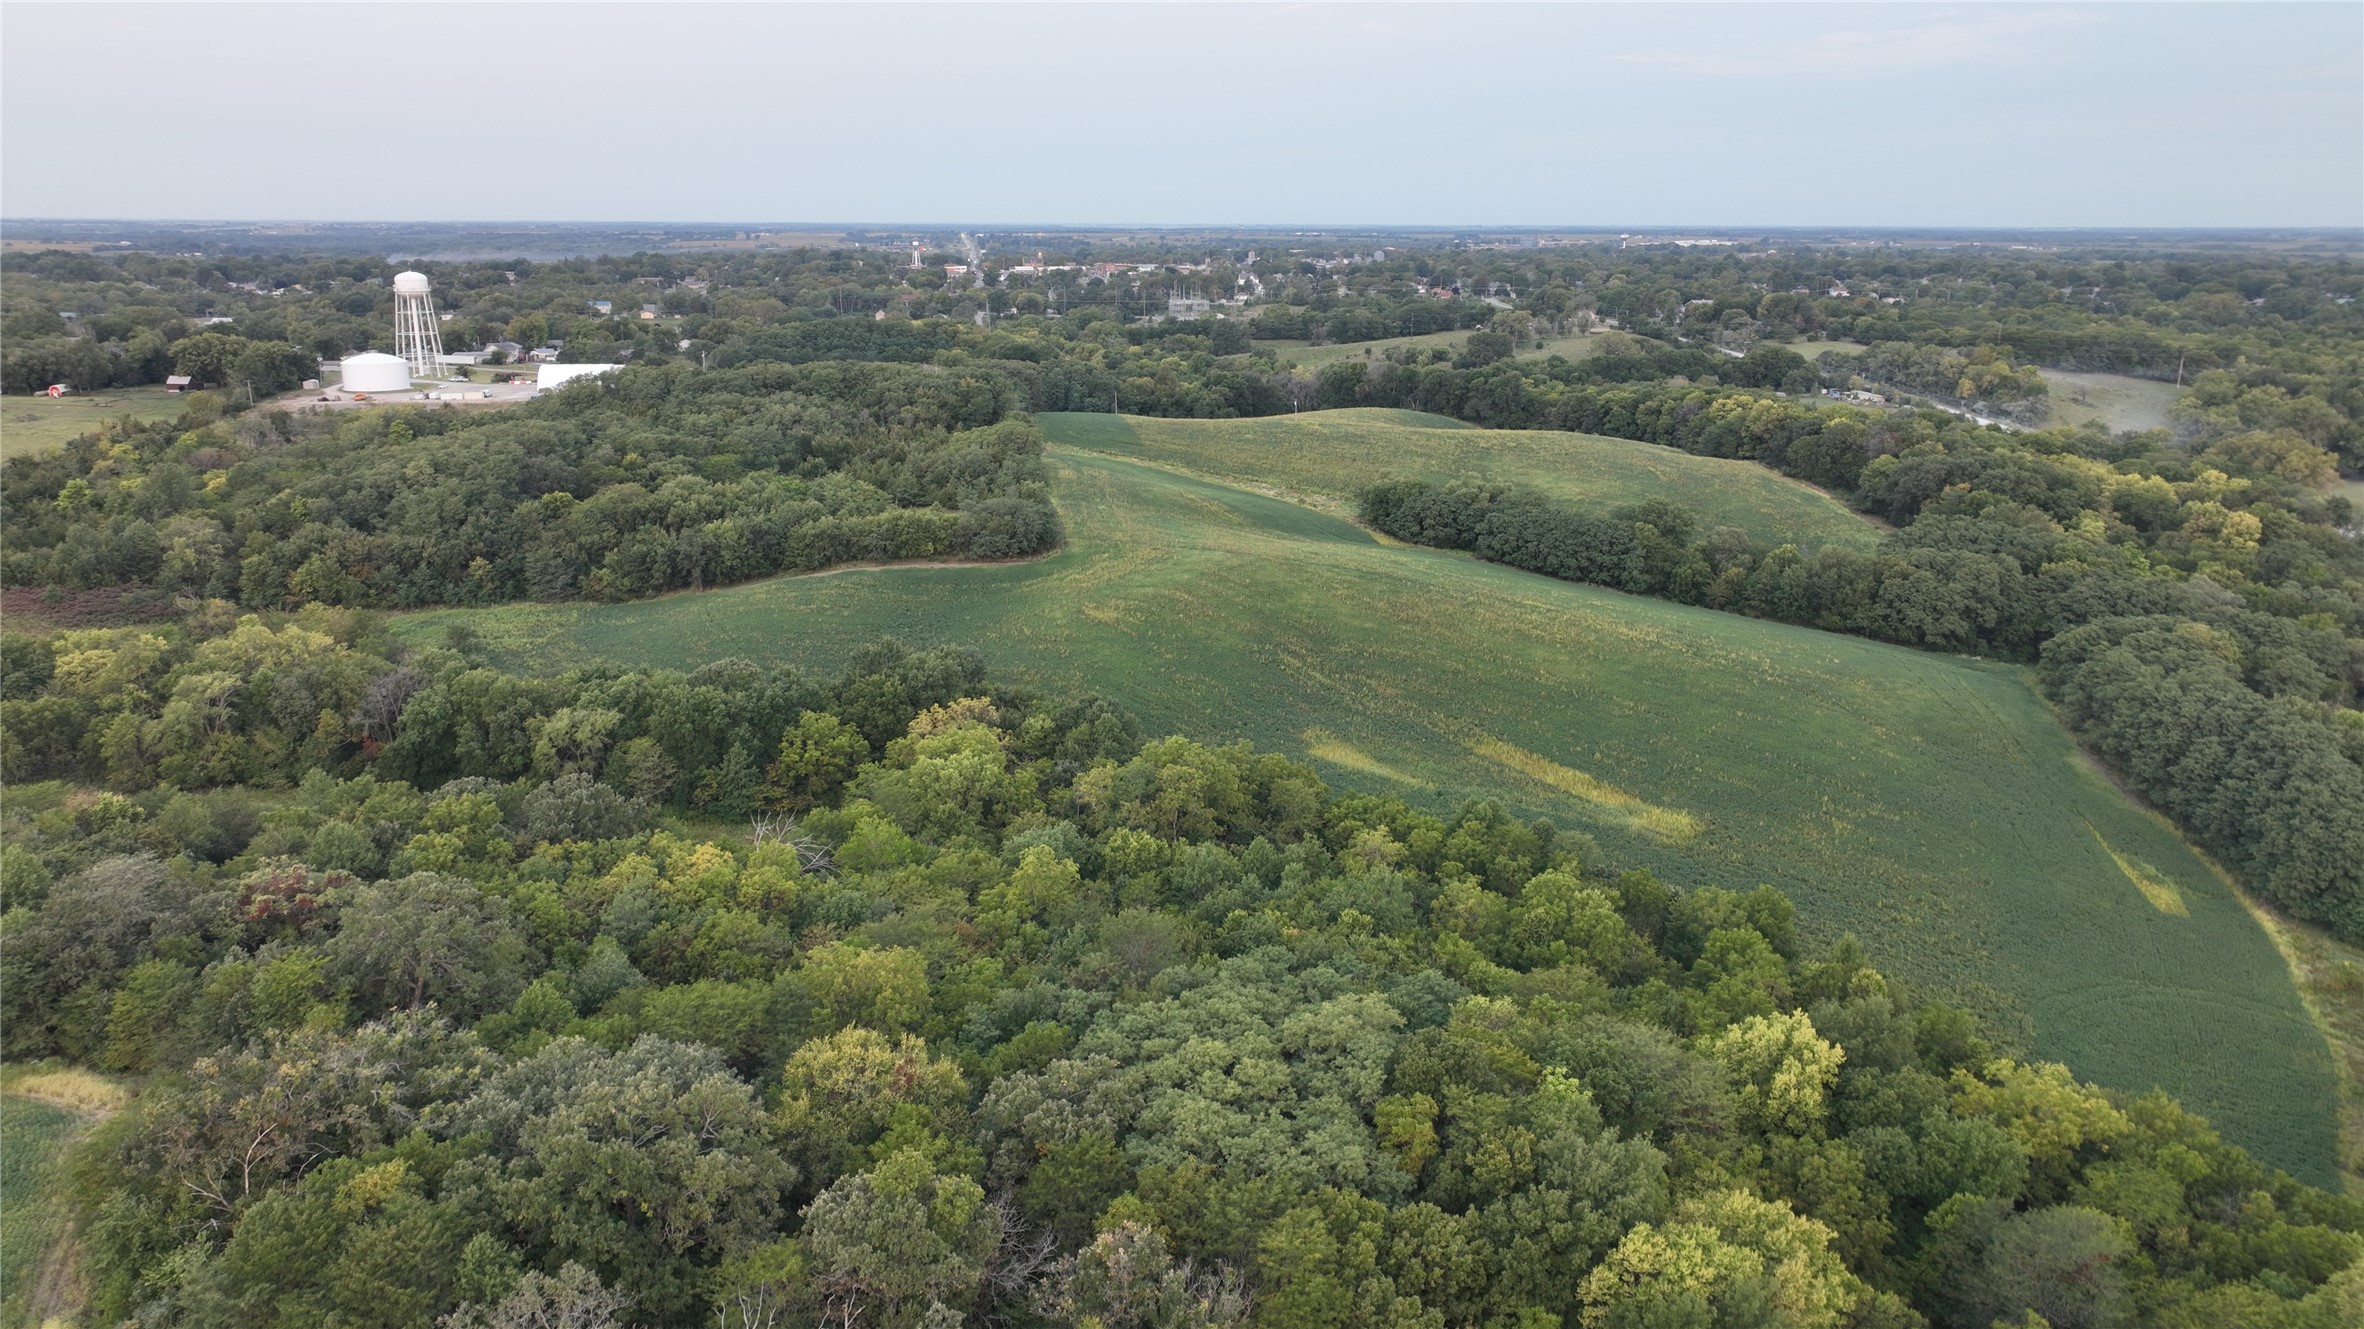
x: 1335, y: 453
x: 1927, y: 803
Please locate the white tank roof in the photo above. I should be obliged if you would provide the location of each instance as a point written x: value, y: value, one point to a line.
x: 410, y: 283
x: 374, y: 371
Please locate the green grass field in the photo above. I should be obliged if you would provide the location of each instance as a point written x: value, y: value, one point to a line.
x: 1335, y: 453
x: 2119, y: 402
x: 30, y: 425
x: 1927, y: 803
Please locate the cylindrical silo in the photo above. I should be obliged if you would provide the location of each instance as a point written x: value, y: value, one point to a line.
x: 375, y: 371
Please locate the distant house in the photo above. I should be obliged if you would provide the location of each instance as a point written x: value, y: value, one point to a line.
x: 507, y: 350
x: 603, y: 308
x: 176, y: 383
x: 1838, y: 290
x: 956, y: 269
x: 648, y: 311
x: 543, y: 355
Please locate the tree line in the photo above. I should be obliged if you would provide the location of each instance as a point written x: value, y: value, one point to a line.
x: 669, y: 478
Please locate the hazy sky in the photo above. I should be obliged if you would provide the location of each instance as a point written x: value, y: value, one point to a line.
x: 1772, y: 114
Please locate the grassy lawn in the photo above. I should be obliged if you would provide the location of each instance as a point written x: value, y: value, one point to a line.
x: 1927, y: 803
x: 1335, y: 453
x: 31, y: 425
x: 2119, y: 402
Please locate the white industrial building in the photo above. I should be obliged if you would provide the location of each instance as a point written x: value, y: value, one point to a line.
x: 547, y: 377
x: 374, y: 371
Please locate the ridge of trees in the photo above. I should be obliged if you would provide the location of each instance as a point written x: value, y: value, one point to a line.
x: 672, y: 478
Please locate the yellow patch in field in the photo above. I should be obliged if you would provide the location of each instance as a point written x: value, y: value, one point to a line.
x: 1322, y: 745
x: 75, y: 1091
x: 1672, y: 824
x: 2156, y: 889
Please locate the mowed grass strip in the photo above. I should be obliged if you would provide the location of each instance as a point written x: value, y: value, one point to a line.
x: 1672, y: 824
x: 2162, y: 894
x: 1927, y: 803
x: 1337, y: 453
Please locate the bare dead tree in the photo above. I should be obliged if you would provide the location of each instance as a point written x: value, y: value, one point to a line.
x: 812, y: 857
x: 1018, y: 1261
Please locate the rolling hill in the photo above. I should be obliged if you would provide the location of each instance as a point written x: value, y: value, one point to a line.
x: 1927, y: 803
x: 1335, y: 453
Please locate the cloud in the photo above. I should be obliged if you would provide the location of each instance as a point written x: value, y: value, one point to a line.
x: 1992, y: 38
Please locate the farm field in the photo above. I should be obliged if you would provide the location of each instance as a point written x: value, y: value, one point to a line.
x: 1929, y: 804
x: 1335, y: 453
x: 33, y: 425
x: 41, y: 1113
x: 2118, y: 401
x: 32, y: 1141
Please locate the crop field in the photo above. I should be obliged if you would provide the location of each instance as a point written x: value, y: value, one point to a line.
x: 1927, y: 803
x: 2119, y: 402
x: 41, y: 1112
x: 32, y: 425
x: 1335, y: 453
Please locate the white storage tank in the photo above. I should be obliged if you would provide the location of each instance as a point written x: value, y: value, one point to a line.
x: 375, y: 371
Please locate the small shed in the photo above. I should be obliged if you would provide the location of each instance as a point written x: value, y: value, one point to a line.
x: 176, y: 383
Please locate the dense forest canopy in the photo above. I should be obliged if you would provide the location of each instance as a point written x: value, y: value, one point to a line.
x: 985, y: 1007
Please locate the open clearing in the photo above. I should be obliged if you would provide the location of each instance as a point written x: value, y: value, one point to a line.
x: 1304, y: 355
x: 1815, y: 350
x: 1927, y: 803
x: 2119, y: 402
x: 1335, y: 453
x: 32, y: 425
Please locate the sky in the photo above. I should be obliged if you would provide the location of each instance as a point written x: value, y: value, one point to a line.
x: 1772, y: 114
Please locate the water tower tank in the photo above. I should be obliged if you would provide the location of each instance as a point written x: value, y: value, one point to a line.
x: 375, y: 371
x: 410, y: 283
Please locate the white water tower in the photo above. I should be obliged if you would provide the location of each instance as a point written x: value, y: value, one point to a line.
x: 418, y: 338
